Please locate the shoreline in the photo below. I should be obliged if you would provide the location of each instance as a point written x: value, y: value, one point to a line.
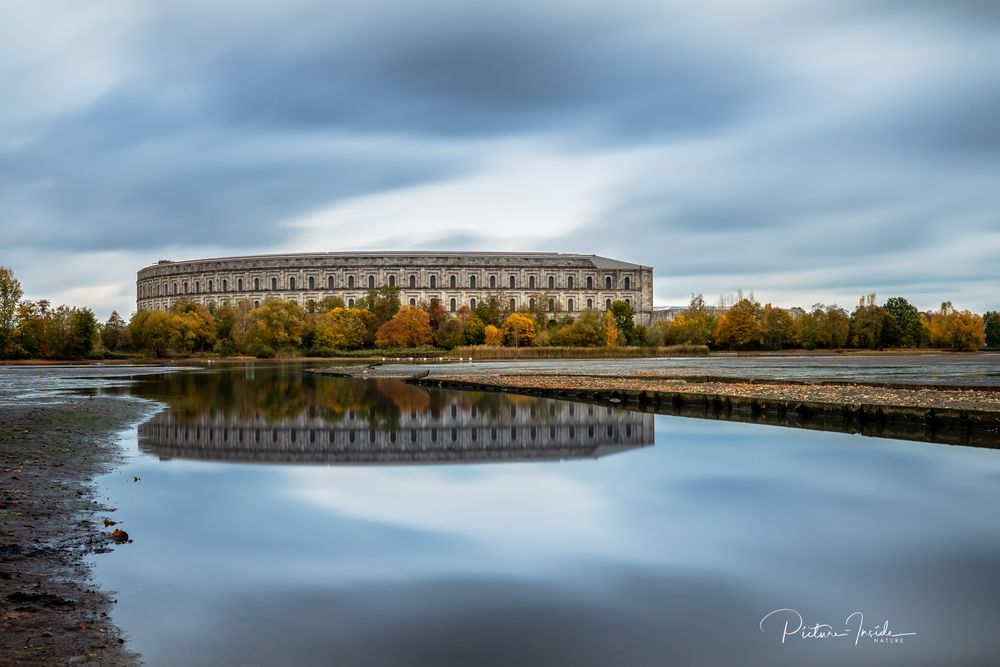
x: 50, y: 456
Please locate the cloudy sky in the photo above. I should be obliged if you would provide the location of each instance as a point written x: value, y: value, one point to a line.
x: 807, y: 151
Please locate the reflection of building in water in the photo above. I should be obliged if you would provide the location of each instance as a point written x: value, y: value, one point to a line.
x: 541, y: 431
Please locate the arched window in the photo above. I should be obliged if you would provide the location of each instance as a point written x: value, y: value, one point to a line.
x: 256, y: 304
x: 590, y: 282
x: 513, y: 305
x: 628, y: 301
x: 350, y: 282
x: 291, y: 282
x: 350, y: 303
x: 454, y: 306
x: 256, y: 284
x: 312, y: 283
x: 392, y: 281
x: 453, y: 282
x: 413, y: 282
x: 371, y: 282
x: 569, y: 282
x: 185, y: 287
x: 569, y: 305
x: 552, y: 305
x: 239, y: 285
x: 197, y: 287
x: 512, y: 282
x: 607, y: 282
x: 472, y: 304
x: 434, y: 282
x: 628, y: 283
x: 590, y: 304
x: 531, y: 303
x: 274, y: 284
x: 225, y: 285
x: 329, y: 282
x: 493, y: 282
x: 552, y: 282
x: 209, y: 285
x: 413, y: 302
x: 531, y: 282
x: 607, y: 304
x: 472, y: 282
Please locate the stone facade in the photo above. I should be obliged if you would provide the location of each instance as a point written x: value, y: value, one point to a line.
x: 556, y: 281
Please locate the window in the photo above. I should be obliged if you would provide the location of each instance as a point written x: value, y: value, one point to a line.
x: 329, y: 282
x: 256, y: 304
x: 225, y: 285
x: 590, y: 282
x: 453, y: 306
x: 371, y: 282
x: 274, y: 283
x: 628, y: 301
x: 185, y: 287
x: 256, y: 284
x: 350, y: 303
x: 413, y: 282
x: 413, y: 302
x: 512, y: 282
x: 350, y: 282
x: 493, y: 282
x: 552, y: 305
x: 531, y: 282
x: 628, y: 283
x: 590, y: 304
x: 569, y: 282
x: 239, y: 285
x: 434, y: 282
x: 472, y: 304
x: 531, y: 304
x: 291, y: 283
x: 312, y: 283
x: 552, y: 282
x: 569, y: 305
x: 197, y: 286
x: 607, y: 304
x: 453, y: 282
x: 607, y: 282
x: 472, y: 282
x: 392, y: 281
x: 513, y: 305
x: 209, y: 285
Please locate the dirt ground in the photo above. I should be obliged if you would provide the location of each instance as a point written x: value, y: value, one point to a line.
x: 51, y: 520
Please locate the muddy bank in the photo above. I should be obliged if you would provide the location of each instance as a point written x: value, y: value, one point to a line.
x: 49, y: 521
x: 963, y: 416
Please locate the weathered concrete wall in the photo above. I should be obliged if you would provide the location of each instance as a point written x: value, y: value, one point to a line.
x: 572, y: 282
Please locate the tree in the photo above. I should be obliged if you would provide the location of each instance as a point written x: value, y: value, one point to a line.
x: 383, y: 303
x: 150, y: 332
x: 492, y: 309
x: 410, y: 327
x: 276, y: 325
x: 328, y: 303
x: 586, y: 331
x: 114, y: 333
x: 779, y: 328
x: 612, y: 335
x: 450, y: 334
x: 740, y: 327
x: 193, y: 328
x: 519, y: 330
x: 492, y: 336
x: 343, y: 328
x: 624, y: 320
x: 956, y: 330
x: 902, y: 323
x: 867, y: 322
x: 10, y: 296
x: 991, y: 328
x: 475, y: 331
x: 83, y: 333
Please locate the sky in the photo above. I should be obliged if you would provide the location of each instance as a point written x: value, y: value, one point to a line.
x: 809, y: 152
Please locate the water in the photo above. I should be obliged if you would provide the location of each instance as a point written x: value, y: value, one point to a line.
x: 579, y: 536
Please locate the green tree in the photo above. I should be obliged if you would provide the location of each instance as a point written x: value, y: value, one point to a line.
x: 903, y: 327
x: 10, y: 297
x: 624, y: 320
x: 383, y: 303
x: 492, y: 309
x: 450, y: 334
x: 114, y: 333
x: 150, y: 332
x: 83, y: 334
x: 991, y: 328
x: 475, y: 331
x: 343, y: 328
x: 193, y: 328
x: 867, y: 322
x: 780, y: 329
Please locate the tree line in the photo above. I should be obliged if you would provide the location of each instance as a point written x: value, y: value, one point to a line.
x: 35, y: 329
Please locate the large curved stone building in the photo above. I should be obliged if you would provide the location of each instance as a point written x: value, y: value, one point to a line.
x: 555, y: 281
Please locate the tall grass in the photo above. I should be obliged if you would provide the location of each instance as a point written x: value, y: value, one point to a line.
x: 557, y: 352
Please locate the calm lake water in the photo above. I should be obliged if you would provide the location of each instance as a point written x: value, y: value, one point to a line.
x: 288, y: 519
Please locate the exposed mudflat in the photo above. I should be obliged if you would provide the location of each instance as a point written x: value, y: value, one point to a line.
x: 50, y: 521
